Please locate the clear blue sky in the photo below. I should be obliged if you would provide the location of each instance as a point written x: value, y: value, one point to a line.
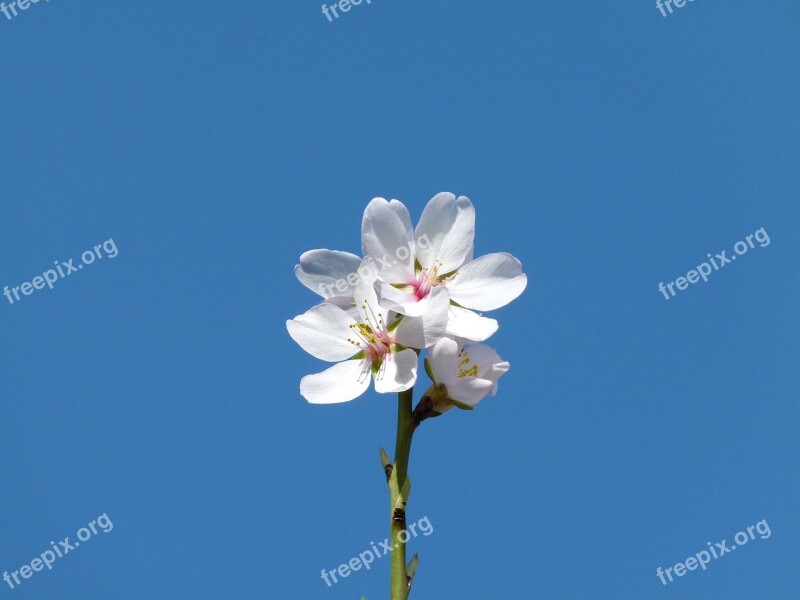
x: 607, y: 147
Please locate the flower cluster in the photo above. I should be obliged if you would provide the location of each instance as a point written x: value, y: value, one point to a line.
x: 414, y: 289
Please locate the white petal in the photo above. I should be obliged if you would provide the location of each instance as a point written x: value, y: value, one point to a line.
x: 325, y: 272
x: 488, y: 282
x: 446, y: 232
x: 347, y: 304
x: 490, y: 365
x: 367, y: 301
x: 468, y: 325
x: 384, y: 239
x: 323, y: 332
x: 469, y: 390
x: 340, y: 383
x: 405, y: 302
x: 395, y: 299
x: 443, y: 358
x: 400, y: 209
x: 424, y: 331
x: 398, y: 372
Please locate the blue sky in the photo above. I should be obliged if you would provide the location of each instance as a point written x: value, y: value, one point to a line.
x: 607, y: 147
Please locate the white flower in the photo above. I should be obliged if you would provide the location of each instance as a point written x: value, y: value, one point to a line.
x: 464, y: 375
x: 364, y: 341
x: 440, y: 264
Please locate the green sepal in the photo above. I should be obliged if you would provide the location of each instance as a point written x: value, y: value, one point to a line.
x: 395, y: 324
x: 385, y: 460
x: 411, y: 567
x: 461, y: 405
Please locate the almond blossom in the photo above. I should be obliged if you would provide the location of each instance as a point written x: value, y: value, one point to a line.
x: 414, y: 289
x: 442, y: 267
x: 366, y: 342
x: 463, y: 376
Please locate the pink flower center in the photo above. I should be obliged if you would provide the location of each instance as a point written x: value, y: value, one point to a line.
x: 425, y: 281
x: 371, y: 335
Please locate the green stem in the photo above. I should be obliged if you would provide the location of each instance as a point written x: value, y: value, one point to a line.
x: 405, y: 431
